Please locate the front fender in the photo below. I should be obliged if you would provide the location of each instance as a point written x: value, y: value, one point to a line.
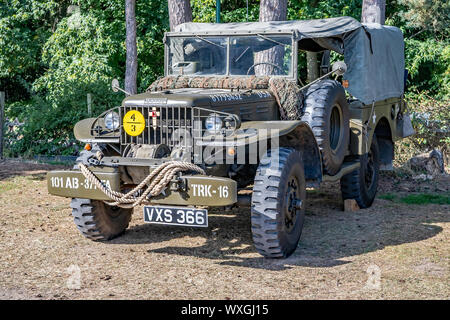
x: 290, y: 133
x: 251, y: 132
x: 83, y: 132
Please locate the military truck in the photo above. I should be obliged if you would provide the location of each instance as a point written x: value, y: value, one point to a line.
x: 231, y: 114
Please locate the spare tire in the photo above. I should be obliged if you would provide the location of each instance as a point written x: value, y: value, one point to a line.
x: 326, y: 111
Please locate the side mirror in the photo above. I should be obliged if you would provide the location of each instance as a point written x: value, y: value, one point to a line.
x: 339, y: 68
x: 115, y: 86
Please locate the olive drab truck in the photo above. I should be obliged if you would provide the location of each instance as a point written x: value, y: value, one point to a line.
x: 232, y: 112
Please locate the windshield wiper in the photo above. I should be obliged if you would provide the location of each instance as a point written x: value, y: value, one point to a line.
x: 269, y: 39
x: 240, y: 56
x: 210, y: 42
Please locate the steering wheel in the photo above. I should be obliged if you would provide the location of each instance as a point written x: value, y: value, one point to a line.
x: 269, y: 63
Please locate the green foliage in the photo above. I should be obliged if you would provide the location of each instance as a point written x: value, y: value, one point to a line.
x: 77, y: 57
x: 429, y: 69
x: 315, y: 9
x: 63, y: 50
x: 431, y: 15
x: 203, y: 10
x: 236, y: 10
x: 232, y: 10
x: 24, y: 27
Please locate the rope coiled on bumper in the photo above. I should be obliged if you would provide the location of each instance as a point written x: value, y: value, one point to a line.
x: 156, y: 182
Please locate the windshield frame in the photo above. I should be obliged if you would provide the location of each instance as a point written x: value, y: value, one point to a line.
x: 294, y: 45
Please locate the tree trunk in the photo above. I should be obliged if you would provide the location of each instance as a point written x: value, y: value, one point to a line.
x: 271, y: 10
x: 312, y: 66
x: 131, y: 63
x: 179, y: 12
x: 373, y: 11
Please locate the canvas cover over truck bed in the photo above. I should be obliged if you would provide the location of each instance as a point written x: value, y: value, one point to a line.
x: 374, y: 53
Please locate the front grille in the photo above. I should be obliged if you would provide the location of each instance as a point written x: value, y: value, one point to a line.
x: 169, y: 125
x: 178, y: 127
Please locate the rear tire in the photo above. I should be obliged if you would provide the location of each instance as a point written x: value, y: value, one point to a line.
x: 327, y: 113
x: 278, y: 204
x: 362, y: 184
x: 99, y: 221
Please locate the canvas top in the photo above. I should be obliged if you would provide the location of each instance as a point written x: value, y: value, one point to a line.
x: 318, y: 28
x: 374, y: 53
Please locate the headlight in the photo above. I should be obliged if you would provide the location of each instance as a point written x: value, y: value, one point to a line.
x: 112, y: 120
x: 213, y: 123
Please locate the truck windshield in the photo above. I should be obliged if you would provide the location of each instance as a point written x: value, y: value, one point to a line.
x: 247, y: 55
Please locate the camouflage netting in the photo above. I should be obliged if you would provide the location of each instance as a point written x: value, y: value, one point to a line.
x: 287, y: 93
x: 289, y: 98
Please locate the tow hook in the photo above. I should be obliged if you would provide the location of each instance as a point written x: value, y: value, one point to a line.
x: 93, y: 161
x: 178, y: 184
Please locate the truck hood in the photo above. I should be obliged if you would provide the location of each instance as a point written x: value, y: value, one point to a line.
x: 205, y: 98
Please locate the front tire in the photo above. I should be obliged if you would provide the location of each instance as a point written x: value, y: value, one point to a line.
x: 95, y: 219
x: 362, y: 184
x: 278, y: 203
x: 99, y: 221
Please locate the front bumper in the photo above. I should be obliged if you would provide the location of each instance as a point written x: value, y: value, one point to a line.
x: 196, y: 190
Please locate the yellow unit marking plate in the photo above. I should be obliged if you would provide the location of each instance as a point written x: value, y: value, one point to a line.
x: 133, y: 123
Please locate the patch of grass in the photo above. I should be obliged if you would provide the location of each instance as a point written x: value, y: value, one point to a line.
x: 36, y: 177
x: 426, y: 198
x: 56, y: 162
x: 388, y: 196
x: 421, y: 198
x: 7, y: 185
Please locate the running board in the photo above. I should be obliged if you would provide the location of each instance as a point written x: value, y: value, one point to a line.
x: 347, y: 167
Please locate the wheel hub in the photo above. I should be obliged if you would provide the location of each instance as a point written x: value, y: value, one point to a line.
x: 294, y: 203
x: 335, y: 128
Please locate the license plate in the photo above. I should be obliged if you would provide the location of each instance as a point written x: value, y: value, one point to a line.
x: 176, y: 216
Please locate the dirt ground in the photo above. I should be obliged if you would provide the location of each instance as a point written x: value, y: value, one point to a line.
x: 390, y: 251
